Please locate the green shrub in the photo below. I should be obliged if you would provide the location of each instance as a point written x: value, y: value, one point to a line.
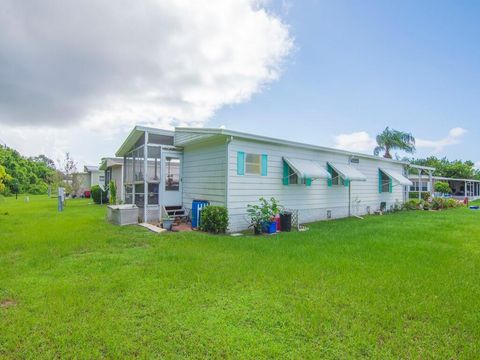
x: 96, y: 192
x: 452, y: 203
x: 112, y: 187
x: 214, y: 219
x: 412, y: 204
x: 439, y: 203
x: 425, y: 195
x: 443, y: 187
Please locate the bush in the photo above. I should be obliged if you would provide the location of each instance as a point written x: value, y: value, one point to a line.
x: 442, y: 187
x: 452, y: 203
x: 214, y: 219
x: 425, y: 195
x: 439, y: 203
x: 112, y: 187
x: 96, y: 192
x: 411, y: 205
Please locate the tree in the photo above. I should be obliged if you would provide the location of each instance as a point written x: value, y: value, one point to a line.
x: 68, y: 167
x: 391, y: 139
x: 30, y: 176
x: 453, y: 169
x: 4, y: 177
x: 443, y: 187
x: 44, y: 160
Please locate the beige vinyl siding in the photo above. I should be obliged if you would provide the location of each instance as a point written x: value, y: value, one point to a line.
x: 204, y: 171
x: 311, y: 201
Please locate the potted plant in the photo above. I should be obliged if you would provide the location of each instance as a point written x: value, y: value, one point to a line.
x: 256, y: 218
x: 262, y: 216
x: 167, y: 223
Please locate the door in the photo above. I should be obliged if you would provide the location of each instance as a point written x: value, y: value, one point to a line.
x: 171, y: 179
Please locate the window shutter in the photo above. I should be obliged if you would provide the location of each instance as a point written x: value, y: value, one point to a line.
x: 264, y: 164
x: 308, y: 181
x: 379, y: 181
x: 240, y: 163
x: 285, y: 173
x: 390, y: 184
x: 330, y: 171
x: 346, y: 183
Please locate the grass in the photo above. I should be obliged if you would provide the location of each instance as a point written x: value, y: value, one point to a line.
x: 399, y: 286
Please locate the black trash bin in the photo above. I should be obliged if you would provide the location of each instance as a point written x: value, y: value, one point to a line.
x: 286, y: 221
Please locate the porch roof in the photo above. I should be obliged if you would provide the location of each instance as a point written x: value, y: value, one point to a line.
x: 137, y: 133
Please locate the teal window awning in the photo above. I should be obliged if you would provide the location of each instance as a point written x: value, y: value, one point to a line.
x: 347, y: 173
x: 397, y: 177
x: 307, y: 169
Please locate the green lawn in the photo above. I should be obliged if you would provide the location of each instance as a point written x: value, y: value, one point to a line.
x: 399, y: 286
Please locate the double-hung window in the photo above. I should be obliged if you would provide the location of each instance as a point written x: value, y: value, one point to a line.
x: 253, y: 164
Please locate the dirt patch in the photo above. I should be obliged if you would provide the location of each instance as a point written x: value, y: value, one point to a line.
x: 7, y: 303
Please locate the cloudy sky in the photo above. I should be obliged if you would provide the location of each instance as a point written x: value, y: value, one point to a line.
x: 77, y: 76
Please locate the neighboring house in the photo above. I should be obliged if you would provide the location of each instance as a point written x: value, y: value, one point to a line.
x: 90, y: 176
x: 234, y: 169
x: 113, y: 168
x: 461, y: 188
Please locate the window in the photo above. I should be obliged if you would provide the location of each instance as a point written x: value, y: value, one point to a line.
x: 153, y: 194
x: 172, y: 174
x: 253, y: 164
x: 139, y: 195
x: 101, y: 179
x: 385, y: 183
x: 336, y: 178
x: 128, y: 194
x: 422, y: 187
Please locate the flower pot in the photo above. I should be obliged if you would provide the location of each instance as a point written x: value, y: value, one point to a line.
x: 269, y: 227
x: 167, y: 224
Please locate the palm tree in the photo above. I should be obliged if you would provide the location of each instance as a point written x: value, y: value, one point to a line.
x: 391, y: 139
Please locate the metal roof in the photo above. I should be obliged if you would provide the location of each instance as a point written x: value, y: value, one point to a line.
x: 136, y: 134
x: 261, y: 138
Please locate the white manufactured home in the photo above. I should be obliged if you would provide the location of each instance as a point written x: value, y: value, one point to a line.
x: 233, y: 169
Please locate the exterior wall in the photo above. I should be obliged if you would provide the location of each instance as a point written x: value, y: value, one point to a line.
x: 95, y: 178
x: 203, y: 173
x: 83, y: 180
x: 115, y: 174
x: 311, y: 201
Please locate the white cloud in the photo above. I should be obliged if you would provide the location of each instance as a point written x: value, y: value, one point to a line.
x: 358, y: 141
x: 111, y: 64
x: 477, y: 165
x: 454, y: 137
x: 77, y: 75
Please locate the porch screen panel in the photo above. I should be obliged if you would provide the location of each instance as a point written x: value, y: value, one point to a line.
x: 172, y: 174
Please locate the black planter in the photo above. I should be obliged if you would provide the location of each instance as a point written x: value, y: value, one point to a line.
x: 257, y: 230
x: 286, y: 221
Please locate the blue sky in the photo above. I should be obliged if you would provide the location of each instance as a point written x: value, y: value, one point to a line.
x: 363, y: 65
x: 77, y: 76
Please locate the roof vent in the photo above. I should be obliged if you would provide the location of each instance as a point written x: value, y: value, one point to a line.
x: 354, y: 160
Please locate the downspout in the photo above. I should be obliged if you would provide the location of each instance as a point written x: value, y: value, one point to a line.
x: 227, y: 169
x: 145, y: 184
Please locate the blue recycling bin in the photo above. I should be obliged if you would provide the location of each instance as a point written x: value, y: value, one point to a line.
x: 197, y: 205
